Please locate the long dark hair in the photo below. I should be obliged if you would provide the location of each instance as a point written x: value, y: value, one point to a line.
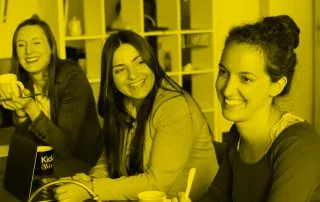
x: 111, y: 108
x: 15, y: 65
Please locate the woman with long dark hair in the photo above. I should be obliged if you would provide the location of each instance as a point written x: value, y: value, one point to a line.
x: 154, y: 131
x: 64, y: 116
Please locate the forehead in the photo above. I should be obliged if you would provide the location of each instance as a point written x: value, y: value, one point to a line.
x: 30, y: 31
x: 125, y: 53
x: 243, y: 58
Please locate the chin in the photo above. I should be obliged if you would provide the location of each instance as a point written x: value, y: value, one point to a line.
x: 232, y: 116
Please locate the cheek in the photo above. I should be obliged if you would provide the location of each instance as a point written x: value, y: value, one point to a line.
x: 20, y: 54
x: 152, y: 79
x: 220, y: 83
x: 117, y: 81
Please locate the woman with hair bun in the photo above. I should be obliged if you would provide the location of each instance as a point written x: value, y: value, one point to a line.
x: 272, y: 155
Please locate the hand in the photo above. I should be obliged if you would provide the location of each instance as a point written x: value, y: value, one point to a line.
x: 181, y: 198
x: 17, y: 103
x: 82, y: 177
x: 72, y: 193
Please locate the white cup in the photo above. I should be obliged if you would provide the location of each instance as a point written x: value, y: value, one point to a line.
x: 10, y: 82
x: 152, y: 196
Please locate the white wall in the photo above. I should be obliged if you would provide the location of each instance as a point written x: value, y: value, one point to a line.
x: 316, y: 90
x: 300, y: 100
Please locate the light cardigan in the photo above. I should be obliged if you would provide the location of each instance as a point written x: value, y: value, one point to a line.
x: 177, y: 139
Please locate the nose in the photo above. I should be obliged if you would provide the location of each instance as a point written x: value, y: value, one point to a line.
x: 28, y: 48
x: 230, y: 87
x: 132, y: 72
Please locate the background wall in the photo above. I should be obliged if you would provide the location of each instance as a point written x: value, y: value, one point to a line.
x: 300, y: 100
x: 316, y: 77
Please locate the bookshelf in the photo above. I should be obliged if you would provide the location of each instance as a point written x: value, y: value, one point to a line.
x: 181, y: 31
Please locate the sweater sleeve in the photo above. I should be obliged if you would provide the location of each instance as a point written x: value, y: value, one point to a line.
x: 296, y: 166
x: 173, y: 137
x: 101, y: 167
x: 63, y: 135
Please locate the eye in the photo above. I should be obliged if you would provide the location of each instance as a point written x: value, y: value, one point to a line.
x: 37, y: 42
x: 141, y: 62
x: 118, y: 70
x: 20, y: 45
x: 223, y: 72
x: 246, y: 79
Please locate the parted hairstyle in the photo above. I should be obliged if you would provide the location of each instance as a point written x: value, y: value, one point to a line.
x: 276, y: 37
x: 111, y: 107
x: 17, y: 69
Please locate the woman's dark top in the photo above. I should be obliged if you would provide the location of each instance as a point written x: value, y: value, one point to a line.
x: 288, y: 172
x: 74, y: 128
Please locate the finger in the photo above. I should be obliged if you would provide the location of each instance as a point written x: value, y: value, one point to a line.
x: 81, y: 176
x: 182, y: 197
x: 65, y: 178
x: 14, y: 105
x: 62, y: 189
x: 62, y: 197
x: 26, y: 91
x: 175, y: 199
x: 9, y: 105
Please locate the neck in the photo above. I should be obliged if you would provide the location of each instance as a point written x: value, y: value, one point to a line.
x: 255, y: 133
x: 39, y: 79
x: 132, y: 106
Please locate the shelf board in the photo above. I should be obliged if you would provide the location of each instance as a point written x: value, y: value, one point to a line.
x: 94, y: 80
x: 196, y: 31
x: 84, y: 37
x: 197, y: 71
x: 160, y: 33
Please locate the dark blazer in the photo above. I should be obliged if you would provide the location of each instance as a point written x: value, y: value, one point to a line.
x: 74, y: 127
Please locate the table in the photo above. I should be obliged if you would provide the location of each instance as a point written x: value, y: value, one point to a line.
x: 63, y: 167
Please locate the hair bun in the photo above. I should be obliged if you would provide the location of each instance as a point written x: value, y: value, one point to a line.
x: 285, y: 28
x: 35, y: 16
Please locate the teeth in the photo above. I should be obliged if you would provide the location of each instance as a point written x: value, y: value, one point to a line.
x: 233, y: 102
x: 136, y: 83
x: 32, y: 59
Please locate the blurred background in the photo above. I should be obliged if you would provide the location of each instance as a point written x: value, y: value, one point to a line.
x: 187, y: 35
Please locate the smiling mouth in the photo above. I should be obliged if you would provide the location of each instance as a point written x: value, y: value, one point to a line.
x: 136, y: 84
x: 32, y: 59
x: 233, y: 102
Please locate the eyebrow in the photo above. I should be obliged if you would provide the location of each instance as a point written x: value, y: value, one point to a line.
x: 32, y: 39
x: 134, y: 59
x: 242, y: 73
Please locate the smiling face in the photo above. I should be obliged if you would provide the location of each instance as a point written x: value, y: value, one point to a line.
x: 131, y: 75
x: 244, y: 88
x: 33, y: 49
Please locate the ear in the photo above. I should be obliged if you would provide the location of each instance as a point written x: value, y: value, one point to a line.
x: 277, y: 87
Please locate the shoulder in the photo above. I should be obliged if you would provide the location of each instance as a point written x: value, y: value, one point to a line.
x: 299, y: 141
x: 301, y: 133
x: 174, y: 105
x: 177, y: 101
x: 66, y: 69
